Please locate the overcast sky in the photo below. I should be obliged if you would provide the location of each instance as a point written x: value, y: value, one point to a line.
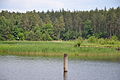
x: 44, y: 5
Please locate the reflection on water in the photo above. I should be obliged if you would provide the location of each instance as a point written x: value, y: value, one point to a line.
x: 30, y: 68
x: 65, y: 75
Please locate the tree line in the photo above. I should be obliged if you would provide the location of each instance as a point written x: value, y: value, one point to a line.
x: 59, y: 25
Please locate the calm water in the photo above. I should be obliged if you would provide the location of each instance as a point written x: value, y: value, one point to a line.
x: 28, y: 68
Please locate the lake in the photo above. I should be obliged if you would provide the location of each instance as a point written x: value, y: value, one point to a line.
x: 44, y: 68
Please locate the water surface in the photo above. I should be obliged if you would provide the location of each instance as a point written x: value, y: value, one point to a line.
x: 44, y: 68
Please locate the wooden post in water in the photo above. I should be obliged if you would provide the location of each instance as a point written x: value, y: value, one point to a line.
x: 65, y: 63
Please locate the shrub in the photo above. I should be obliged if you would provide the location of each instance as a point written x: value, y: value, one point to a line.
x: 111, y: 42
x: 101, y: 41
x: 78, y: 42
x: 115, y: 38
x: 92, y: 39
x: 80, y: 39
x: 106, y: 41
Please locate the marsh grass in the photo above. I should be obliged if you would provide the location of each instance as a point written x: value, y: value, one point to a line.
x: 51, y: 48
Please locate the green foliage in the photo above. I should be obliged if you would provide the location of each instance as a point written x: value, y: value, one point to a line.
x: 30, y: 35
x: 60, y: 25
x: 70, y: 35
x: 18, y: 33
x: 47, y: 32
x: 92, y: 39
x: 21, y: 36
x: 101, y: 35
x: 10, y: 37
x: 107, y: 41
x: 2, y: 38
x: 5, y: 28
x: 111, y: 42
x: 78, y: 42
x: 88, y: 29
x: 115, y: 38
x: 80, y: 39
x: 48, y: 28
x: 50, y: 48
x: 46, y: 37
x: 101, y: 41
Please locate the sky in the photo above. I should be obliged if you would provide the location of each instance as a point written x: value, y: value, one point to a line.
x: 44, y: 5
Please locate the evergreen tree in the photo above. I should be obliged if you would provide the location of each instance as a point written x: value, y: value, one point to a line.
x: 56, y: 25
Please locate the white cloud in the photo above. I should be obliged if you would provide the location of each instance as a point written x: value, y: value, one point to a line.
x: 36, y: 3
x: 28, y: 5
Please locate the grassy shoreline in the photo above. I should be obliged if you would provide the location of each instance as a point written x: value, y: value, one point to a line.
x: 58, y: 48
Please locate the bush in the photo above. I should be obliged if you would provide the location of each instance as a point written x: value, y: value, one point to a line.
x: 115, y: 38
x: 92, y: 39
x: 101, y: 41
x: 106, y: 41
x: 78, y: 42
x: 80, y: 39
x: 46, y: 37
x: 111, y: 42
x: 2, y: 38
x: 21, y: 36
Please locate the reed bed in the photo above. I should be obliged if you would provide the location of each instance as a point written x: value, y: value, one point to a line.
x: 58, y: 48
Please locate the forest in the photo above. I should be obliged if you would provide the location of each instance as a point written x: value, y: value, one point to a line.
x: 59, y: 25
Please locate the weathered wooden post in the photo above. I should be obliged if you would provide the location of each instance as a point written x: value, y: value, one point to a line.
x: 65, y: 62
